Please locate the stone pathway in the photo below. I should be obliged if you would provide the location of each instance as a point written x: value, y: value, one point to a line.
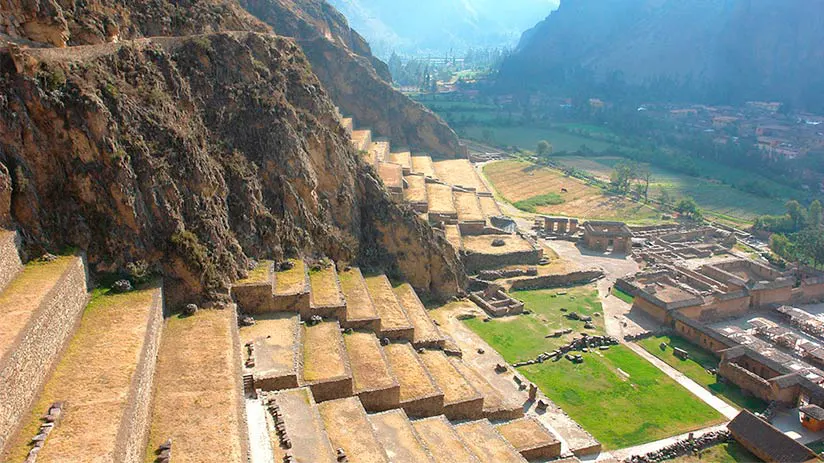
x: 260, y: 445
x: 620, y: 455
x: 696, y: 389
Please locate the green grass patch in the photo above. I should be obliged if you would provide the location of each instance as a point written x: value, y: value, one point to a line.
x: 728, y: 452
x: 817, y: 447
x: 527, y: 137
x: 622, y: 295
x: 695, y: 368
x: 620, y: 398
x: 616, y: 395
x: 531, y: 204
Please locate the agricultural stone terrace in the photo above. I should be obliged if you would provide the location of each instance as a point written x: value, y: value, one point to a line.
x: 398, y: 438
x: 360, y: 311
x: 426, y: 334
x: 441, y: 202
x: 419, y: 395
x: 482, y: 438
x: 394, y: 324
x: 530, y: 438
x: 349, y: 429
x: 461, y: 400
x: 443, y: 443
x: 292, y: 280
x: 459, y: 172
x: 374, y: 382
x: 276, y: 341
x: 325, y: 363
x: 304, y: 427
x: 423, y: 165
x: 468, y: 206
x: 117, y: 340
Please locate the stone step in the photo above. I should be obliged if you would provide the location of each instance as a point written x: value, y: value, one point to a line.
x: 403, y: 159
x: 198, y: 392
x: 443, y: 443
x: 373, y: 380
x: 423, y: 165
x: 10, y: 263
x: 291, y: 288
x: 362, y: 139
x: 40, y: 309
x: 530, y: 438
x: 461, y: 400
x: 398, y: 438
x: 394, y: 323
x: 426, y: 334
x: 326, y: 367
x: 485, y: 442
x: 349, y: 430
x: 419, y: 395
x: 360, y: 310
x: 276, y: 347
x: 304, y: 428
x: 104, y: 381
x: 325, y: 295
x: 415, y: 193
x: 496, y: 406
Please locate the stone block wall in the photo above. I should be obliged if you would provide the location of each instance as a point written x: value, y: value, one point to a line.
x: 700, y: 338
x: 254, y: 298
x: 134, y: 427
x: 29, y: 363
x: 556, y: 281
x: 746, y: 380
x: 10, y: 263
x: 381, y: 400
x: 472, y: 409
x: 424, y: 407
x: 291, y: 303
x: 476, y: 262
x: 333, y: 389
x: 239, y: 392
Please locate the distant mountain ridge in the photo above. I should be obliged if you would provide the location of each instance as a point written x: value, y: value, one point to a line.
x: 725, y: 50
x: 438, y: 26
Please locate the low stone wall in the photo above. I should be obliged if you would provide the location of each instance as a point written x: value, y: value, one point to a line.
x: 291, y: 303
x: 333, y: 389
x: 542, y: 452
x: 492, y: 275
x: 472, y: 228
x: 512, y: 413
x: 134, y: 427
x: 557, y: 281
x: 10, y: 263
x: 254, y: 299
x: 466, y: 410
x: 239, y: 392
x: 381, y: 400
x: 424, y: 407
x: 475, y: 262
x: 29, y: 363
x: 746, y: 380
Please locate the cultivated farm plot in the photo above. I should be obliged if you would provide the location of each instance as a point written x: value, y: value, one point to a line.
x: 619, y: 397
x: 519, y: 181
x: 526, y: 137
x: 713, y: 196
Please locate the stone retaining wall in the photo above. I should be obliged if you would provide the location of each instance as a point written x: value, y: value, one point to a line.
x: 135, y: 424
x: 424, y: 407
x: 555, y: 281
x: 381, y: 399
x: 746, y: 380
x: 10, y: 263
x: 239, y: 392
x: 29, y: 363
x: 475, y: 262
x: 332, y: 389
x: 467, y: 410
x: 254, y: 298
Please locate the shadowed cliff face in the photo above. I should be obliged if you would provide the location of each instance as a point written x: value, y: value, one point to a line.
x: 194, y: 153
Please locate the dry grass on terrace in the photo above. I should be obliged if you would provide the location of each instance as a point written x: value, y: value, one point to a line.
x: 489, y: 206
x: 442, y: 441
x: 483, y: 244
x: 324, y: 287
x: 395, y: 433
x: 391, y: 174
x: 349, y: 429
x: 259, y: 275
x: 423, y: 165
x: 291, y: 281
x: 369, y: 371
x: 493, y: 400
x: 380, y: 150
x: 275, y: 335
x: 196, y: 391
x: 424, y: 328
x: 469, y: 209
x: 416, y: 192
x: 92, y: 378
x: 455, y: 388
x: 403, y: 158
x: 453, y: 235
x: 323, y: 354
x: 390, y: 311
x: 358, y: 303
x: 440, y: 199
x: 25, y: 293
x: 412, y: 376
x: 459, y: 172
x: 525, y: 433
x: 487, y: 444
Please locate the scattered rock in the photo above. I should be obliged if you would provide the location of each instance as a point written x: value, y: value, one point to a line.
x: 286, y: 265
x: 481, y: 351
x: 48, y: 257
x: 122, y: 286
x: 498, y: 243
x: 247, y: 320
x: 384, y: 341
x: 189, y: 310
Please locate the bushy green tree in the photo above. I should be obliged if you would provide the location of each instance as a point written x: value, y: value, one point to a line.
x: 544, y: 148
x: 687, y: 207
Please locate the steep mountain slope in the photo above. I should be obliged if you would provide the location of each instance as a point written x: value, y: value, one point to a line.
x: 440, y: 26
x: 194, y: 154
x: 357, y: 81
x: 727, y: 50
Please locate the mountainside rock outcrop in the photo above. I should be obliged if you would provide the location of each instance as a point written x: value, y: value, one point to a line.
x: 195, y: 154
x: 725, y: 51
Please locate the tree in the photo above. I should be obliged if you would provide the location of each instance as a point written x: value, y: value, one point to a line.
x: 488, y: 135
x: 646, y: 177
x: 797, y: 214
x: 667, y: 201
x: 687, y: 207
x: 815, y: 214
x: 622, y: 175
x: 544, y: 148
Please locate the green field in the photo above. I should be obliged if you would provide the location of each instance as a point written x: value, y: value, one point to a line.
x: 626, y: 297
x: 528, y: 137
x: 696, y: 367
x: 716, y: 198
x: 730, y: 452
x: 620, y: 398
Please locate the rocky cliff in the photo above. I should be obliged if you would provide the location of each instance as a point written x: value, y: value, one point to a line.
x: 195, y: 154
x: 726, y: 51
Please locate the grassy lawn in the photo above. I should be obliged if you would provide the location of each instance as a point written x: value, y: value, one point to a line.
x: 817, y: 447
x: 522, y: 338
x: 626, y: 297
x: 696, y: 367
x: 531, y: 204
x: 730, y: 452
x: 617, y: 396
